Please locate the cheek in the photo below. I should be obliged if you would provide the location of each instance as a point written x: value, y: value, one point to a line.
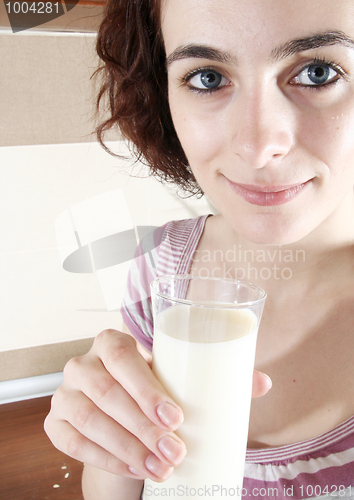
x: 201, y: 134
x: 330, y: 138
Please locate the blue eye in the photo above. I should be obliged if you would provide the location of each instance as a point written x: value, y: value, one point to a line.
x: 206, y: 80
x: 319, y: 74
x: 316, y: 74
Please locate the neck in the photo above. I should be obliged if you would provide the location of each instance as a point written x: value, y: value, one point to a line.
x: 327, y: 253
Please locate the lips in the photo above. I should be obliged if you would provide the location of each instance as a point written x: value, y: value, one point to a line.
x: 268, y: 195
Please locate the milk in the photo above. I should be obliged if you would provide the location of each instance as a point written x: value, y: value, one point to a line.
x: 204, y: 358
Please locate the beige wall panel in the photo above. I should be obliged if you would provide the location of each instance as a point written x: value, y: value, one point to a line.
x: 46, y: 91
x: 40, y: 360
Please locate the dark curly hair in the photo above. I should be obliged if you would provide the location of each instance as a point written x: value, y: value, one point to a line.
x: 134, y: 88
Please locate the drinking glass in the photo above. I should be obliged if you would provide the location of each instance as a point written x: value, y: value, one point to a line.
x: 205, y: 332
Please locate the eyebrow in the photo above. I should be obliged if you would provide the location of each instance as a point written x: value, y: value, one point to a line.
x: 316, y: 41
x: 199, y: 52
x: 284, y: 51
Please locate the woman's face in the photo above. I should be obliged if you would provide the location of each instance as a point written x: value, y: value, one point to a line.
x: 262, y: 98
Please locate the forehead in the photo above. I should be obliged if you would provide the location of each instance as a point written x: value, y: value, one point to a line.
x: 248, y: 25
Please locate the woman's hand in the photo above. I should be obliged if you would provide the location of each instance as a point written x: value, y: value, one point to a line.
x: 112, y: 413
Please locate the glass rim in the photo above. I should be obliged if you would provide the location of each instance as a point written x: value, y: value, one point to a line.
x: 221, y: 305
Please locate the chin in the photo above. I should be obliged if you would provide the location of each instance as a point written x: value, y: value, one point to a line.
x: 268, y: 232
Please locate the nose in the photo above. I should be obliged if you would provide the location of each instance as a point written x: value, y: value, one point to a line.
x: 263, y: 130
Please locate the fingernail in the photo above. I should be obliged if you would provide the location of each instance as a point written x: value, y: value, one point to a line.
x: 270, y: 383
x: 154, y: 465
x: 169, y: 415
x: 172, y: 449
x: 135, y: 471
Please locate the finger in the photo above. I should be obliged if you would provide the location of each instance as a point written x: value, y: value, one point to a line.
x: 98, y: 429
x: 126, y: 365
x: 261, y: 384
x: 105, y: 392
x: 108, y: 395
x: 68, y: 440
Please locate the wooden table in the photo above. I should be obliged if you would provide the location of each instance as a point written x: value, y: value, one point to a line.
x: 30, y: 467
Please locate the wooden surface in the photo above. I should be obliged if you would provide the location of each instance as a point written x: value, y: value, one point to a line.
x: 30, y: 467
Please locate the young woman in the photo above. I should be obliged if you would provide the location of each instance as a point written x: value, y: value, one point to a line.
x: 252, y: 103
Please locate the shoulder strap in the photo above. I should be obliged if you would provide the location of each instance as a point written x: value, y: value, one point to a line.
x: 180, y: 241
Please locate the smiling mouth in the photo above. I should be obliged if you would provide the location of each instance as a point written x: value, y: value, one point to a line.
x: 268, y: 195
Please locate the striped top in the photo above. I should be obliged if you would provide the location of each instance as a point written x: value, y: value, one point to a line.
x: 322, y: 467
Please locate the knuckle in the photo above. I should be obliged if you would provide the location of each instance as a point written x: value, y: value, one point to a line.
x: 106, y: 336
x: 50, y: 428
x: 128, y: 450
x: 83, y: 415
x: 114, y: 346
x: 121, y: 349
x: 47, y: 425
x: 113, y: 464
x: 149, y: 396
x: 58, y: 395
x: 57, y: 401
x: 72, y: 366
x: 75, y: 446
x: 146, y: 428
x: 102, y: 386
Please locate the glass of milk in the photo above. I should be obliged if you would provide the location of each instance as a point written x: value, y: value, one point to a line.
x: 205, y: 333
